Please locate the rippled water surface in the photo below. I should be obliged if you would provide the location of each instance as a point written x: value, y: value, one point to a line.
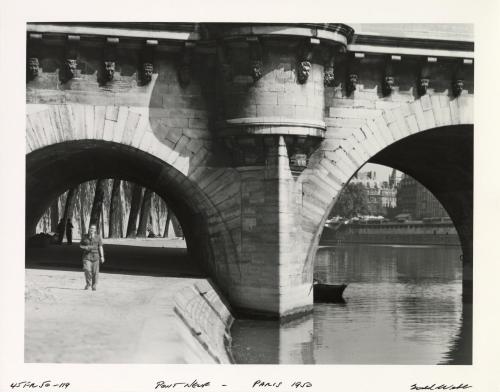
x: 403, y: 306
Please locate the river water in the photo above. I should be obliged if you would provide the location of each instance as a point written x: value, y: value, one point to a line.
x: 402, y: 306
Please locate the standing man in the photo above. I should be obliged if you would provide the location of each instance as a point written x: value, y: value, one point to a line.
x: 93, y: 255
x: 69, y: 231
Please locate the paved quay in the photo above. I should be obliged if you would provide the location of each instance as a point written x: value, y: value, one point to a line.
x: 129, y: 319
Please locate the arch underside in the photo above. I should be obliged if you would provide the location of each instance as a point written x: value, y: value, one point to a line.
x: 441, y: 159
x: 54, y: 169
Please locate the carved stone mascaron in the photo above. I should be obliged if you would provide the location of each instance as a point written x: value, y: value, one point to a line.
x: 33, y: 67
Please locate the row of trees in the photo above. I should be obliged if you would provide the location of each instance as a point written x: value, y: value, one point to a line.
x: 124, y: 209
x: 118, y: 208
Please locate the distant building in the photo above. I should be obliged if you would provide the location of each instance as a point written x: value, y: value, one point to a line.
x: 414, y: 199
x: 381, y: 194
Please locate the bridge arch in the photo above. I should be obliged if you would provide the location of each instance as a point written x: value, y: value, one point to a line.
x: 138, y: 127
x: 435, y: 146
x: 52, y: 169
x: 440, y: 157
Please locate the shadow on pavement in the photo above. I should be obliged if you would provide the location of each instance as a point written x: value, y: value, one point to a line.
x: 120, y: 258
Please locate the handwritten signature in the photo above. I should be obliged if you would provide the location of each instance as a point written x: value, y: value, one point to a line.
x: 439, y: 387
x: 43, y: 384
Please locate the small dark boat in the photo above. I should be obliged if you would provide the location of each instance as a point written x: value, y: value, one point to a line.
x: 323, y: 292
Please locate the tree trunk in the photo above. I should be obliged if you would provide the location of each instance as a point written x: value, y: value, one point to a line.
x: 54, y: 216
x: 159, y: 210
x: 68, y: 213
x: 86, y: 190
x: 83, y: 229
x: 102, y: 223
x: 95, y: 214
x: 125, y: 203
x: 145, y: 214
x: 115, y: 211
x: 135, y: 205
x: 167, y: 223
x: 177, y: 227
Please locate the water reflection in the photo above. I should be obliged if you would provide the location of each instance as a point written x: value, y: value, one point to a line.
x: 272, y: 342
x: 403, y: 306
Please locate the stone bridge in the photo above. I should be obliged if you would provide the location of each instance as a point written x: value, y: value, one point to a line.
x: 249, y: 132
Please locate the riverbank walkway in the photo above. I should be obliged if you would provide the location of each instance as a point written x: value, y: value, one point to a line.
x: 129, y: 319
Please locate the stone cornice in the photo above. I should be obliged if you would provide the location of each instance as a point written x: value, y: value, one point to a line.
x: 423, y: 43
x: 337, y: 33
x: 270, y: 126
x: 170, y: 32
x: 334, y: 32
x: 206, y: 34
x: 411, y: 46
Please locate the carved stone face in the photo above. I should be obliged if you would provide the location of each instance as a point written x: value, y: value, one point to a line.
x: 329, y: 77
x: 109, y: 70
x: 33, y: 67
x: 423, y: 85
x: 147, y: 72
x: 70, y: 68
x: 303, y: 71
x: 256, y: 69
x: 388, y: 85
x: 352, y: 81
x: 457, y: 87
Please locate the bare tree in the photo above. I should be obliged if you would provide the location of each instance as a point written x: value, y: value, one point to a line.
x: 115, y: 211
x: 54, y: 215
x: 95, y: 214
x: 177, y: 227
x: 167, y: 223
x: 145, y: 213
x: 135, y: 205
x: 81, y: 199
x: 101, y: 230
x: 68, y: 212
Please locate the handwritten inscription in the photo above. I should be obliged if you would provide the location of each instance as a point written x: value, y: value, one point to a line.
x: 262, y: 385
x: 439, y: 387
x: 278, y: 384
x: 193, y: 385
x: 43, y: 384
x: 266, y: 384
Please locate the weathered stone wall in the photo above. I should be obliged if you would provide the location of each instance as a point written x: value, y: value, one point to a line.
x: 277, y: 93
x: 206, y: 320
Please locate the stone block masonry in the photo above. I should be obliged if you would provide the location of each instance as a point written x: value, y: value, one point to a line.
x: 207, y: 320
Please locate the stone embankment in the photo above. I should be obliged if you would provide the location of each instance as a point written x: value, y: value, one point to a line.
x: 207, y: 319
